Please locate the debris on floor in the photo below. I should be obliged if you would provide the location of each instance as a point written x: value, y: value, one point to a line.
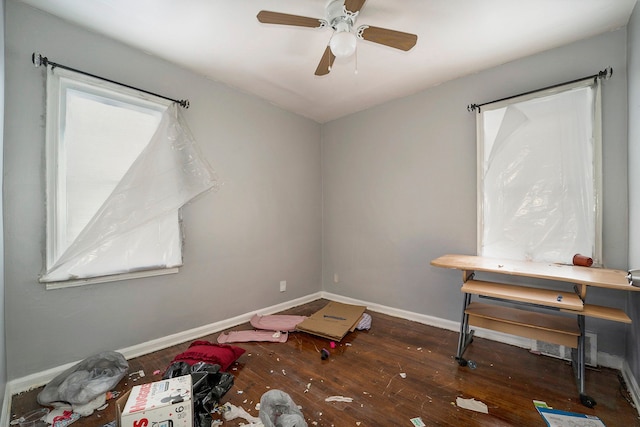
x: 85, y: 381
x: 135, y: 376
x: 365, y: 322
x: 231, y: 412
x: 557, y: 418
x: 472, y: 405
x: 167, y: 401
x: 417, y: 422
x: 276, y: 322
x: 31, y: 418
x: 278, y: 405
x: 209, y: 386
x: 333, y: 321
x: 248, y: 336
x: 339, y: 399
x: 62, y: 419
x: 324, y: 354
x: 211, y: 353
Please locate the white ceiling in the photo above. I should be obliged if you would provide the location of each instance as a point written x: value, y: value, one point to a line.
x: 223, y: 40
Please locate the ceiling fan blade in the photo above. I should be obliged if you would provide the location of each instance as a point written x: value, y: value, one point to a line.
x: 268, y: 17
x: 391, y: 38
x: 354, y: 6
x: 326, y: 62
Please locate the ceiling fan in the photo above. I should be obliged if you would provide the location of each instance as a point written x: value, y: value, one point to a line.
x: 341, y: 16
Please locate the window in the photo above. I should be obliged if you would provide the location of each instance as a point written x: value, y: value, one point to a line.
x: 120, y: 164
x: 539, y: 175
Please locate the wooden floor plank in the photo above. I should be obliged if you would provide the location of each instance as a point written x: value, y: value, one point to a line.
x: 395, y: 371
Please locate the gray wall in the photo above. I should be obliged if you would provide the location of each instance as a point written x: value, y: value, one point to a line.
x: 262, y: 226
x: 399, y: 184
x: 3, y: 349
x: 633, y: 339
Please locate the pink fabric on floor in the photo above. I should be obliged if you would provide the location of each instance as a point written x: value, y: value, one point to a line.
x: 276, y: 322
x: 247, y: 336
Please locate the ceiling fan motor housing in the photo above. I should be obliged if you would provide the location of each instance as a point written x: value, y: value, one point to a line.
x: 343, y: 41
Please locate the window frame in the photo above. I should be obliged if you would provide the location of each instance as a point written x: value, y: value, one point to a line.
x: 58, y: 81
x: 596, y: 161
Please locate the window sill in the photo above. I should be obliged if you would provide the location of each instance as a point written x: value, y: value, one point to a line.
x: 106, y: 279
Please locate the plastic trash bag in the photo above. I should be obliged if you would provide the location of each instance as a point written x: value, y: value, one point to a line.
x: 85, y: 381
x: 277, y: 409
x: 208, y: 387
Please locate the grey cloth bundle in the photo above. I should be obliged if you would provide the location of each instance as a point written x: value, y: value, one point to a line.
x: 86, y: 380
x: 277, y: 409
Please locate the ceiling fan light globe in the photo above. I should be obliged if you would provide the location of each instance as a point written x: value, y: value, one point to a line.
x: 343, y: 44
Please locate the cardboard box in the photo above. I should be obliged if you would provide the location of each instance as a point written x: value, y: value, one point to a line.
x: 166, y: 403
x: 333, y: 321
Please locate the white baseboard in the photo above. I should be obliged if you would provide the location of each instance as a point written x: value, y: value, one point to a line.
x: 612, y: 361
x: 5, y: 415
x: 41, y: 378
x: 632, y: 384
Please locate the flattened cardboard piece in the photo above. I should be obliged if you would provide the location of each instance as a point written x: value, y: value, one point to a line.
x: 333, y: 321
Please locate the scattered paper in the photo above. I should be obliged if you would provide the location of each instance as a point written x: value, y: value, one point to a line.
x: 231, y: 412
x: 472, y: 405
x: 417, y: 422
x: 338, y: 399
x: 557, y: 418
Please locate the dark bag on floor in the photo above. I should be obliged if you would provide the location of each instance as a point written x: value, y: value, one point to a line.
x: 209, y: 386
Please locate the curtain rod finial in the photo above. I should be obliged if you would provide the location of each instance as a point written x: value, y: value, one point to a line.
x: 184, y: 103
x: 472, y: 107
x: 38, y: 59
x: 606, y: 73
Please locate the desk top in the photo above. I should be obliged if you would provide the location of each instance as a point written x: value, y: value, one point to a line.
x: 599, y: 277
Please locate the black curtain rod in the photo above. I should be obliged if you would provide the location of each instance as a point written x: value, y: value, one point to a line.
x: 604, y: 74
x: 39, y: 60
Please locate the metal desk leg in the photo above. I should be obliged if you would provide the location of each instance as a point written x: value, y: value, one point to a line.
x: 466, y: 336
x: 579, y: 364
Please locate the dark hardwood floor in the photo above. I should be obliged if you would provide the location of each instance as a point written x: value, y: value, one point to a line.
x: 396, y: 371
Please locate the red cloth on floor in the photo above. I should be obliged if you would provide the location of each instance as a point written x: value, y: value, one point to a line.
x: 207, y: 352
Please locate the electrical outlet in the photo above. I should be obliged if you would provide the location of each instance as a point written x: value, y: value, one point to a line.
x: 283, y: 285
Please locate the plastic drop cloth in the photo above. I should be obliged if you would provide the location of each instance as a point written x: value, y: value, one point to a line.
x: 169, y: 172
x: 86, y: 380
x: 277, y: 409
x: 535, y: 160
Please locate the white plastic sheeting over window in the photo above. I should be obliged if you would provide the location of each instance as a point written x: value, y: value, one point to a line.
x: 137, y: 227
x: 539, y: 176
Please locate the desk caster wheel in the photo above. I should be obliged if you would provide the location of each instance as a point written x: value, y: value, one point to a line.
x: 587, y: 401
x: 461, y: 361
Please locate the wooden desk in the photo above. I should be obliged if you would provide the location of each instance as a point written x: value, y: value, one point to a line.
x: 554, y: 328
